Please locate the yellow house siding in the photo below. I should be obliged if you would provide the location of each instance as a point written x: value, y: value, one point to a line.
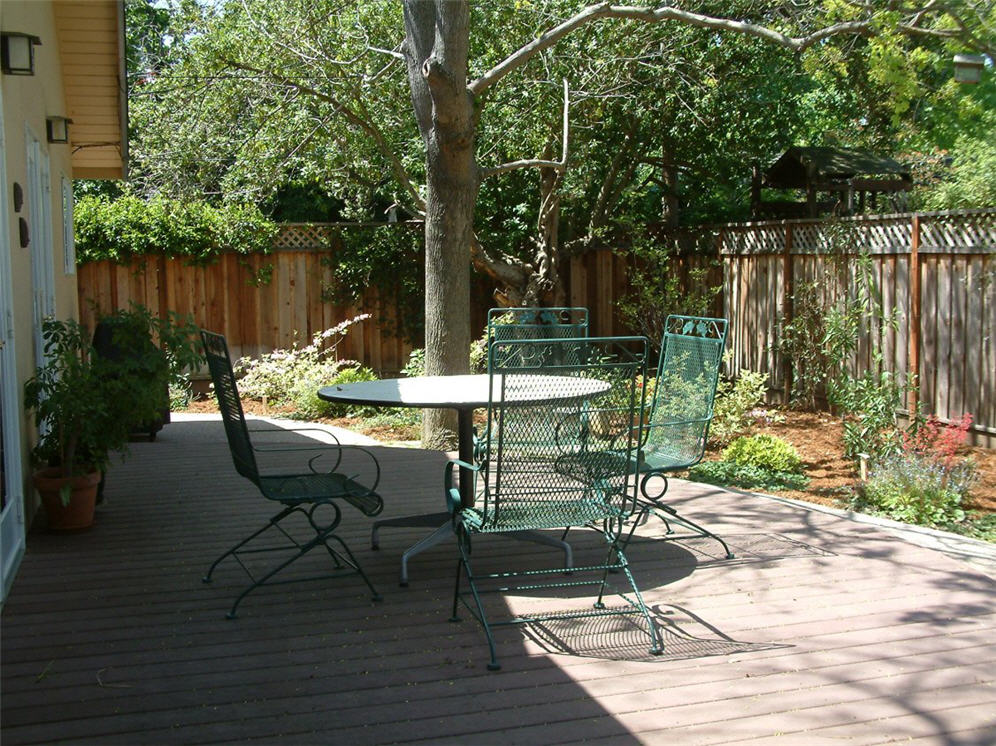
x: 63, y: 79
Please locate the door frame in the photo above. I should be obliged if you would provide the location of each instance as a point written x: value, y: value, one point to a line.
x: 12, y: 515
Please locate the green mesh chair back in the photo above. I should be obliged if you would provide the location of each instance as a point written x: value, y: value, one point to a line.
x: 677, y: 424
x: 506, y: 324
x: 563, y: 460
x: 563, y: 429
x: 685, y: 387
x: 227, y: 393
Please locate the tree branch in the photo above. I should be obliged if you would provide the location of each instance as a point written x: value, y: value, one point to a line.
x: 648, y: 15
x: 560, y: 165
x: 364, y: 124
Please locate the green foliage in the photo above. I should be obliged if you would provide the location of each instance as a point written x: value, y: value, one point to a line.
x: 757, y: 462
x: 129, y: 226
x: 765, y: 452
x: 389, y: 259
x: 727, y: 473
x: 734, y: 402
x: 86, y: 404
x: 658, y: 291
x: 916, y: 489
x: 292, y: 377
x: 972, y: 179
x: 869, y: 404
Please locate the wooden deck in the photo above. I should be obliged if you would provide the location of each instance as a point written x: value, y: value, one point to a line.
x: 822, y: 630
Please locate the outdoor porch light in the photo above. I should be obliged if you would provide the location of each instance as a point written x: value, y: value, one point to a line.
x: 968, y: 67
x: 58, y: 129
x: 17, y: 53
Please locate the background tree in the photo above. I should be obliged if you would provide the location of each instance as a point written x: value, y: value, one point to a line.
x: 323, y: 92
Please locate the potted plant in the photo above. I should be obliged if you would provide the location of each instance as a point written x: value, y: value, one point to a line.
x: 85, y: 404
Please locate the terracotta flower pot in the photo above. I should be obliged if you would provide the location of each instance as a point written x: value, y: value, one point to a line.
x: 78, y: 514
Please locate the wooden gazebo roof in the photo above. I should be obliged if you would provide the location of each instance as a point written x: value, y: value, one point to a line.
x: 799, y: 166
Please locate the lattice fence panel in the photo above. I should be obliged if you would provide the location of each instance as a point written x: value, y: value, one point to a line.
x: 303, y: 236
x: 972, y: 232
x: 761, y: 239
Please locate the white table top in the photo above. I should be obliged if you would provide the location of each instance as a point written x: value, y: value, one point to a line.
x: 457, y: 392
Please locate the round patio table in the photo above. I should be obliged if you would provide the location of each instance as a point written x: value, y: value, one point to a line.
x: 464, y: 394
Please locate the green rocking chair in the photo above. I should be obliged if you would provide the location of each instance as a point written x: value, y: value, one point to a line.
x: 676, y: 427
x: 324, y: 482
x: 563, y: 427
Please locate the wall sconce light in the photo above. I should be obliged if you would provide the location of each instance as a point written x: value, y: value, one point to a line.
x: 17, y: 53
x: 968, y: 67
x: 58, y: 129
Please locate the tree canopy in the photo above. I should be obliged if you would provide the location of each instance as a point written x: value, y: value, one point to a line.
x: 568, y: 126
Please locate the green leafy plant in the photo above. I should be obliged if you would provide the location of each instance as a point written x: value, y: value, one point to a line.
x: 726, y: 473
x: 130, y: 226
x: 868, y: 404
x: 292, y: 377
x: 757, y: 462
x: 764, y: 451
x: 85, y: 404
x: 915, y: 489
x: 658, y: 290
x: 734, y: 402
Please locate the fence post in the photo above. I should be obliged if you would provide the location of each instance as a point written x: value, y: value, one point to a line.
x: 913, y: 395
x: 788, y: 309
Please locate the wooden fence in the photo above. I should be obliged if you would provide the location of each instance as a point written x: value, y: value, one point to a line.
x: 936, y: 272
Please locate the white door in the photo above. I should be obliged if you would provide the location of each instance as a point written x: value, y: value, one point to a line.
x: 11, y: 481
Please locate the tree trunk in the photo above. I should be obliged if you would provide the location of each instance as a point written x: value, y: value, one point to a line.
x: 436, y: 40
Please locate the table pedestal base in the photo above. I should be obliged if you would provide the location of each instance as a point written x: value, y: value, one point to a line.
x: 444, y: 530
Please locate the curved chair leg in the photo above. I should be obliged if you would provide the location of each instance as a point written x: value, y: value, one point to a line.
x: 653, y: 504
x: 463, y: 542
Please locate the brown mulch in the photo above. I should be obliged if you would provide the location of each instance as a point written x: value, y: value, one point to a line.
x: 817, y: 436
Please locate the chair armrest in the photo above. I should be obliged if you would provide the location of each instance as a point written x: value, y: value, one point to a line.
x: 269, y: 430
x: 453, y: 502
x: 326, y: 449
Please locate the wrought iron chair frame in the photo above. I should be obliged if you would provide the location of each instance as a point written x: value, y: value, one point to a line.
x: 301, y: 493
x: 652, y: 460
x: 597, y: 486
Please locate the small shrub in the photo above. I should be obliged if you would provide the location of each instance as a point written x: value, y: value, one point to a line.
x: 735, y: 400
x: 292, y: 377
x: 914, y: 489
x: 728, y: 473
x: 757, y: 462
x: 935, y: 440
x: 765, y: 452
x: 869, y: 405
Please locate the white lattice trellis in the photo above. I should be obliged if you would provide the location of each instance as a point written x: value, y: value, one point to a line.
x: 965, y: 232
x: 303, y: 236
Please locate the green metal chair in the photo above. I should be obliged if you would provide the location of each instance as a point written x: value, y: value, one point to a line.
x: 549, y: 464
x: 323, y: 482
x: 536, y: 323
x: 676, y: 425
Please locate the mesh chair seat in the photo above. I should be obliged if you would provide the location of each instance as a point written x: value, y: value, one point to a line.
x: 528, y: 515
x: 293, y: 489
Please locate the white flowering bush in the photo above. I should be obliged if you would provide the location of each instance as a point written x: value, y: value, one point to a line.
x: 292, y: 377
